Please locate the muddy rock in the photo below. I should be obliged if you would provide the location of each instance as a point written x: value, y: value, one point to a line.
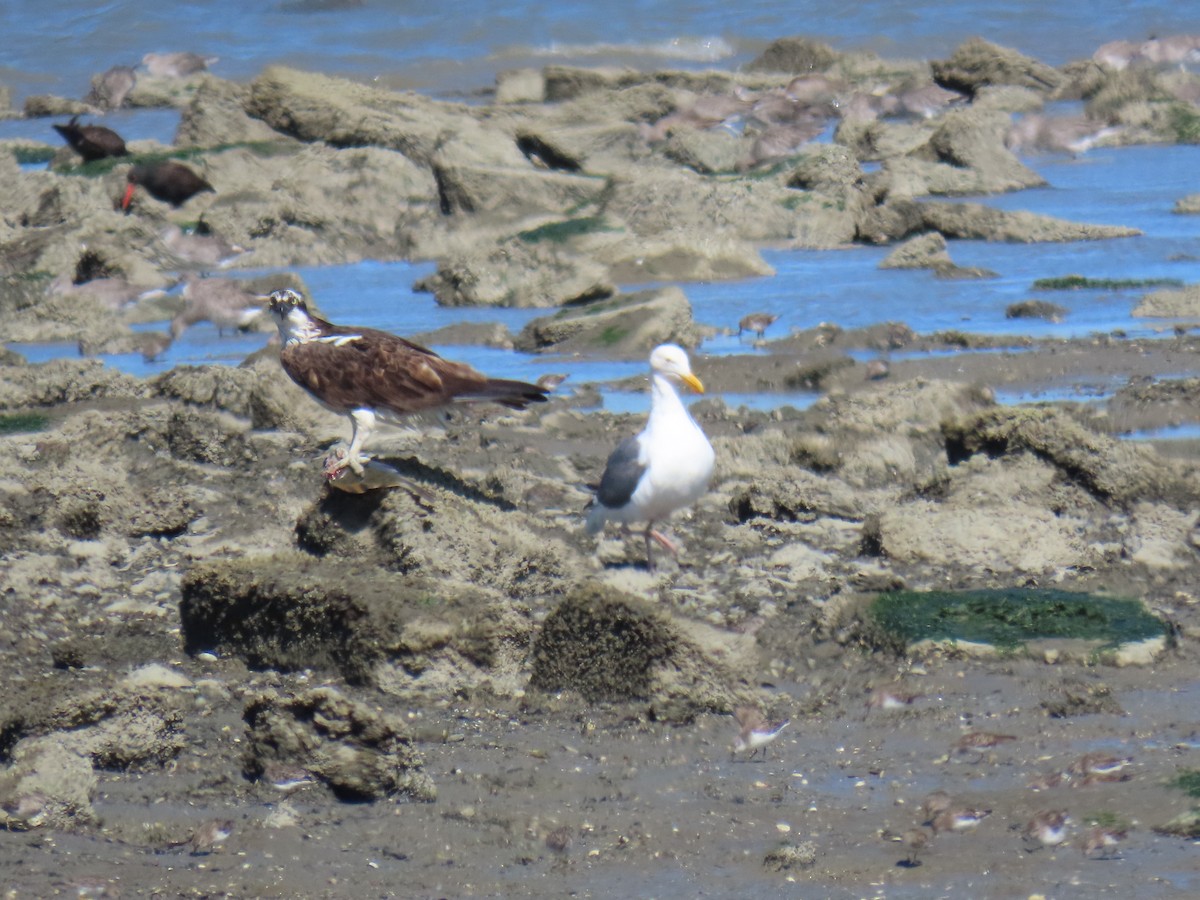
x: 518, y: 272
x: 467, y: 532
x: 481, y: 334
x: 64, y: 381
x: 795, y: 56
x: 343, y: 113
x: 318, y: 205
x: 216, y: 114
x: 286, y: 613
x: 406, y: 635
x: 928, y: 251
x: 658, y: 202
x: 973, y: 139
x: 133, y: 722
x: 359, y: 752
x: 509, y: 194
x: 980, y: 222
x: 889, y: 436
x: 47, y: 785
x: 978, y: 63
x: 41, y: 105
x: 1170, y: 303
x: 675, y: 256
x: 607, y: 645
x: 576, y: 142
x: 705, y: 151
x: 877, y: 140
x: 626, y: 324
x: 1113, y: 471
x: 257, y: 390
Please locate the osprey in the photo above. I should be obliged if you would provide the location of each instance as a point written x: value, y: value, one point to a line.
x: 364, y: 373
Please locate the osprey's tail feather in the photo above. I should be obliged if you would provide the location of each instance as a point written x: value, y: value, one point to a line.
x: 508, y: 392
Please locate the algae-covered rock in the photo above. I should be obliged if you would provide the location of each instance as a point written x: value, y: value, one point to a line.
x: 403, y: 634
x: 608, y: 645
x: 286, y: 613
x: 1081, y: 626
x: 358, y: 751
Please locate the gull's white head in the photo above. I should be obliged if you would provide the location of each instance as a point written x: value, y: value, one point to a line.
x: 671, y: 361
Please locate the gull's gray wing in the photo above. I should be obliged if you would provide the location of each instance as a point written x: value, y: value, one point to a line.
x: 621, y: 475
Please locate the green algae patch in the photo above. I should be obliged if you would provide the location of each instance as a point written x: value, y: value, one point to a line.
x: 22, y: 423
x: 32, y: 155
x: 1080, y: 283
x: 561, y: 232
x: 1188, y: 781
x: 1046, y: 622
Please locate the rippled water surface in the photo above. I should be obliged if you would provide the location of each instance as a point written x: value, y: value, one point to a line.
x: 55, y: 46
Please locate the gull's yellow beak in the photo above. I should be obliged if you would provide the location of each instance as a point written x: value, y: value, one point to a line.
x: 693, y: 382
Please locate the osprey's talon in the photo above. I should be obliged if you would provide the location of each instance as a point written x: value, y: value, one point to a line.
x: 339, y: 461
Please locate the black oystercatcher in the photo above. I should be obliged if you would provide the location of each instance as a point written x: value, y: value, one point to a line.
x: 168, y: 181
x: 92, y: 142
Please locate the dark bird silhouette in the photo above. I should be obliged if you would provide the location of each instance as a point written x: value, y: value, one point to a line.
x: 168, y: 181
x: 92, y: 142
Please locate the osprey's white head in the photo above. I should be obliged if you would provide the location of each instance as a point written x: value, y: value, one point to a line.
x: 671, y: 361
x: 291, y: 316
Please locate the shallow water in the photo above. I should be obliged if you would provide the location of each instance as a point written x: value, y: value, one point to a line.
x: 55, y: 46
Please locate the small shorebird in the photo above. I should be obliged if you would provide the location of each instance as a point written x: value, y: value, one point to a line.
x: 560, y: 839
x: 1103, y: 839
x: 176, y: 65
x: 286, y: 778
x: 756, y: 322
x: 978, y: 741
x: 92, y: 142
x: 877, y: 370
x: 960, y: 818
x: 1100, y: 766
x: 204, y: 251
x: 1047, y: 828
x: 665, y: 467
x: 915, y: 839
x: 110, y: 88
x: 934, y: 803
x: 207, y: 837
x: 168, y: 181
x: 890, y: 698
x: 222, y: 301
x: 754, y: 731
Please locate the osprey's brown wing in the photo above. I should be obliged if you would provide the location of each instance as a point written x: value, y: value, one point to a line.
x: 376, y: 370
